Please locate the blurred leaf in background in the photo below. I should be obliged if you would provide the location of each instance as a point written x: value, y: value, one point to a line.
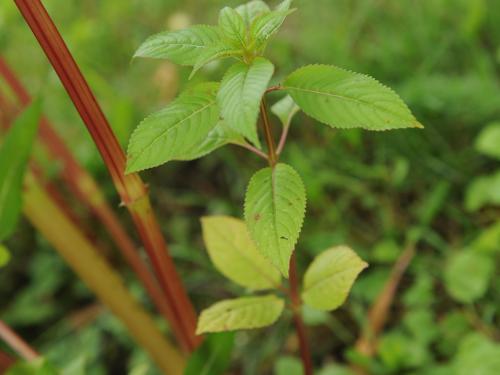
x: 213, y: 356
x: 14, y: 153
x: 4, y: 255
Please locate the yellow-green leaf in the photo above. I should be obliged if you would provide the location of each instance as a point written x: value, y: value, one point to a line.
x: 240, y: 313
x: 330, y: 276
x: 234, y: 254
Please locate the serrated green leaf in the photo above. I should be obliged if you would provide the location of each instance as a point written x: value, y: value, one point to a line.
x: 233, y: 25
x: 488, y: 141
x: 4, y: 255
x: 219, y: 136
x: 467, y: 275
x: 174, y: 132
x: 14, y: 154
x: 240, y: 313
x: 250, y: 11
x: 275, y: 204
x: 234, y: 254
x: 343, y: 99
x: 285, y: 109
x: 214, y: 53
x: 240, y: 94
x: 182, y: 47
x: 330, y: 276
x: 267, y: 24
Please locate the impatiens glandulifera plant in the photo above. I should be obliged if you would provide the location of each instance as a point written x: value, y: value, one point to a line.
x: 258, y: 252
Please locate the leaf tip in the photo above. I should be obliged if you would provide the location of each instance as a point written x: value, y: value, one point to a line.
x: 285, y: 272
x: 205, y: 220
x: 130, y: 167
x: 199, y: 330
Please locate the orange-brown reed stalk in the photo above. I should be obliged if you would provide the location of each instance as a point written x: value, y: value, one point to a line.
x: 85, y: 189
x: 130, y: 187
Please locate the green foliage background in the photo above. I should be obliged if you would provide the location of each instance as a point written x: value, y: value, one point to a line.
x: 370, y: 190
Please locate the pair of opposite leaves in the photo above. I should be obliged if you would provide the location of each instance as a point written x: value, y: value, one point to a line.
x: 326, y: 284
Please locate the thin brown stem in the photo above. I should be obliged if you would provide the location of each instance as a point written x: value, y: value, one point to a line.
x: 273, y: 88
x: 379, y: 311
x: 266, y: 124
x: 252, y: 149
x: 130, y: 187
x: 282, y: 141
x: 17, y: 344
x: 305, y: 352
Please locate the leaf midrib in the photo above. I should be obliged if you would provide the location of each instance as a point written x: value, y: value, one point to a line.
x: 328, y: 278
x: 274, y: 211
x: 348, y: 98
x: 171, y: 128
x: 262, y: 301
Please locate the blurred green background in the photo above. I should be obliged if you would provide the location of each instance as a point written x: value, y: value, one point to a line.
x: 373, y: 191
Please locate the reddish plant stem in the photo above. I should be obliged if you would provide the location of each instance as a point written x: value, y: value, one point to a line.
x: 253, y: 149
x: 282, y: 141
x: 17, y: 343
x: 86, y: 189
x: 67, y: 239
x: 266, y: 124
x: 273, y: 88
x: 130, y: 187
x: 305, y: 352
x: 294, y: 294
x: 6, y: 361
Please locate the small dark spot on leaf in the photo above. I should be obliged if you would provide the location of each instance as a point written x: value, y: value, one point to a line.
x: 257, y: 217
x: 284, y: 238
